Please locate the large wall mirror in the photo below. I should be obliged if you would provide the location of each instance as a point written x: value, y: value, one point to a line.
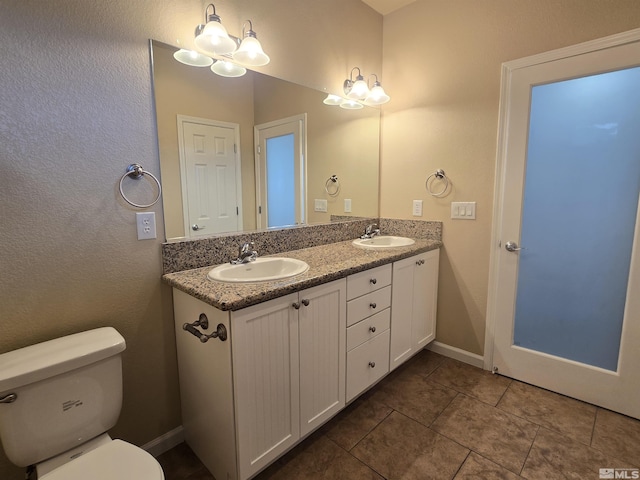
x: 219, y: 140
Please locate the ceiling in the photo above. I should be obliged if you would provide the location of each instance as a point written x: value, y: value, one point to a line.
x: 387, y: 6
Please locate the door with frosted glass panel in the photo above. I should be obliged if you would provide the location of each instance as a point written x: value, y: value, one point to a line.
x: 567, y: 314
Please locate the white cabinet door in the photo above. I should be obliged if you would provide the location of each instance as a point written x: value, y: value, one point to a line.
x: 322, y: 330
x: 266, y: 381
x: 288, y: 370
x: 413, y: 305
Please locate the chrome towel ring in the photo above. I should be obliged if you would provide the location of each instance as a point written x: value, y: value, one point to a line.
x: 437, y: 175
x: 136, y: 172
x: 332, y: 181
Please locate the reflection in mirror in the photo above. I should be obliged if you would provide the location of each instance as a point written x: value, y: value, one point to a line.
x: 214, y: 134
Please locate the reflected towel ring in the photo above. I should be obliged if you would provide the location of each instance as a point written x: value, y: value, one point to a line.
x: 440, y: 175
x: 136, y: 172
x: 332, y: 181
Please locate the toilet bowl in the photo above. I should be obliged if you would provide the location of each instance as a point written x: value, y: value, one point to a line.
x: 57, y: 401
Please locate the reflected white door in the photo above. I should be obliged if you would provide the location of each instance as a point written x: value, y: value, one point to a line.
x: 565, y: 303
x: 281, y: 172
x: 210, y: 168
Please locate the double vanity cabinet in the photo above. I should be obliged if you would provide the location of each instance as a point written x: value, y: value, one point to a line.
x: 291, y: 363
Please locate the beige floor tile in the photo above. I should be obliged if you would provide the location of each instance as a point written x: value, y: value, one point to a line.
x: 498, y: 436
x: 565, y: 415
x: 401, y: 448
x: 618, y: 436
x: 471, y: 381
x: 556, y: 456
x: 477, y: 467
x: 318, y: 458
x: 414, y: 396
x: 423, y: 363
x: 356, y: 421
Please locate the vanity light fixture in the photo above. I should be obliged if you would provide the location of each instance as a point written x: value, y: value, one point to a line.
x: 333, y: 99
x: 349, y: 104
x: 192, y: 58
x: 212, y: 38
x: 250, y: 51
x: 225, y: 68
x: 358, y: 89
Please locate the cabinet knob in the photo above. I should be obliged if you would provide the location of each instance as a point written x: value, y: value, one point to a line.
x: 372, y: 364
x: 295, y: 305
x: 372, y: 305
x: 305, y: 302
x: 373, y: 281
x: 420, y: 262
x: 372, y: 329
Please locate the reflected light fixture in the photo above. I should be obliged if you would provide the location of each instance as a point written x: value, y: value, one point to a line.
x: 358, y: 89
x: 332, y: 99
x: 377, y: 95
x: 250, y: 51
x: 212, y: 38
x: 226, y: 68
x: 350, y: 104
x: 192, y: 58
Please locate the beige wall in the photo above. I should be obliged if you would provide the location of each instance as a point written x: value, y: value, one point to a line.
x: 75, y: 110
x: 442, y: 63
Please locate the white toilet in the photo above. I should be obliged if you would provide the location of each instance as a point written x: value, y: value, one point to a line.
x: 57, y: 401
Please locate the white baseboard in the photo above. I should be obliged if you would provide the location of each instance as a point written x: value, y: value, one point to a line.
x: 165, y: 442
x: 457, y: 354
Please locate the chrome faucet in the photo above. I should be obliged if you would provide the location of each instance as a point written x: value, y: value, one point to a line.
x: 246, y: 254
x: 371, y: 231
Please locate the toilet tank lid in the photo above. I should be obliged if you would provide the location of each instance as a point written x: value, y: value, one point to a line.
x: 47, y: 359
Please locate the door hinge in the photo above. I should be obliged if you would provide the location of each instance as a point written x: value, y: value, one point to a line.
x: 259, y: 149
x: 260, y: 209
x: 237, y: 211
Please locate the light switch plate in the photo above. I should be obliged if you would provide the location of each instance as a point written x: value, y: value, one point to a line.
x: 347, y: 205
x: 463, y: 210
x: 417, y: 208
x: 320, y: 205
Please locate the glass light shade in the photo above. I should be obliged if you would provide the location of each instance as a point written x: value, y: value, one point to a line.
x: 227, y: 69
x: 332, y: 100
x: 194, y: 59
x: 351, y: 105
x: 377, y: 96
x: 214, y: 39
x: 358, y: 90
x: 250, y: 53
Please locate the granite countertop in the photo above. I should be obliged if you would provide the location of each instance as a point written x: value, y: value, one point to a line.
x: 326, y: 263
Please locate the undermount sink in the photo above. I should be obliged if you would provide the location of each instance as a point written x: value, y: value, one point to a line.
x: 263, y: 269
x: 384, y: 241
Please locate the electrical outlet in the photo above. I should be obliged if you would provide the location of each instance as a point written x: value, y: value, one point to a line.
x: 417, y: 208
x: 146, y: 224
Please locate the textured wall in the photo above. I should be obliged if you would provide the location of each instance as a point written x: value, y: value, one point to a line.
x: 442, y: 62
x: 76, y: 108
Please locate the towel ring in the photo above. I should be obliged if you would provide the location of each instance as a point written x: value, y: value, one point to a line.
x: 136, y: 172
x: 332, y: 181
x: 440, y: 175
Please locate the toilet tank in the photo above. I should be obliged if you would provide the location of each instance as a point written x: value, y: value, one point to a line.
x: 68, y: 390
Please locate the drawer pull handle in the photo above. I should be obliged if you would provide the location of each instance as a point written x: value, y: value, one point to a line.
x: 372, y: 329
x: 373, y: 281
x: 372, y: 305
x: 305, y: 302
x: 372, y: 364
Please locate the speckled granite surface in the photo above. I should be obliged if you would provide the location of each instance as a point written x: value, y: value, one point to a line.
x: 189, y: 254
x: 326, y: 263
x: 328, y: 259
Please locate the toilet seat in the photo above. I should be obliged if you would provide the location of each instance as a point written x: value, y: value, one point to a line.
x: 116, y: 460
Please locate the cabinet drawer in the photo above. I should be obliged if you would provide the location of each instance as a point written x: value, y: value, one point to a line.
x: 366, y: 364
x: 366, y: 305
x: 368, y: 328
x: 365, y: 282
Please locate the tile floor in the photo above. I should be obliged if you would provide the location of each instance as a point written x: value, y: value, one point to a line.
x: 437, y: 418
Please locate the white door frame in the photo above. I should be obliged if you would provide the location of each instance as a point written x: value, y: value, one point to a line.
x: 181, y: 119
x: 508, y: 69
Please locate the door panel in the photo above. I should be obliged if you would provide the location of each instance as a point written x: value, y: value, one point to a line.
x: 564, y: 314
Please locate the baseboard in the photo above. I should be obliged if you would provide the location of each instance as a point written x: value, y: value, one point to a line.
x: 165, y: 442
x: 457, y: 354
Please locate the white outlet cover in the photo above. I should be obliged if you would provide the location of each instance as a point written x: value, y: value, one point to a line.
x: 146, y: 225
